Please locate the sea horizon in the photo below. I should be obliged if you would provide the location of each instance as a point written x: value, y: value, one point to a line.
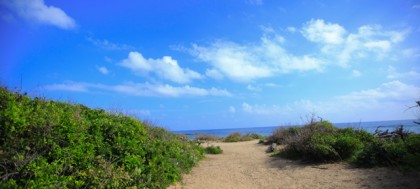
x: 369, y: 126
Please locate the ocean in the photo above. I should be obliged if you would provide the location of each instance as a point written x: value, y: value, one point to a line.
x: 409, y: 125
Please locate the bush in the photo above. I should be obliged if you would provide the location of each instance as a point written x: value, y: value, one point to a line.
x: 214, y: 150
x: 45, y: 143
x: 320, y: 142
x: 255, y: 136
x: 392, y: 152
x: 233, y: 137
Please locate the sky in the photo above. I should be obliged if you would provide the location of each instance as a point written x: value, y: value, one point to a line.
x: 195, y: 64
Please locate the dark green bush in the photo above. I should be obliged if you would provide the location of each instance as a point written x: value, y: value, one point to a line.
x: 49, y: 144
x: 214, y: 150
x: 392, y: 152
x: 233, y: 137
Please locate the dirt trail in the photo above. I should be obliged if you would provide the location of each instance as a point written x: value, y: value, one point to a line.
x: 246, y: 165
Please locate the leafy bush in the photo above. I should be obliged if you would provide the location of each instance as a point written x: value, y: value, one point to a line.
x: 233, y: 137
x: 320, y: 142
x: 45, y: 143
x: 214, y: 150
x: 392, y: 152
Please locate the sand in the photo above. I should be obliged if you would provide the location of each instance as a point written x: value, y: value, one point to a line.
x: 246, y: 165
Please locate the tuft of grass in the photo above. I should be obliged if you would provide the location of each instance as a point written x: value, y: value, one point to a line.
x: 214, y: 150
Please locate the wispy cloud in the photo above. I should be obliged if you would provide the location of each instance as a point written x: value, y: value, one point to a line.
x: 165, y: 67
x: 140, y: 89
x: 108, y: 45
x: 103, y: 70
x: 37, y: 11
x: 369, y: 104
x: 394, y: 74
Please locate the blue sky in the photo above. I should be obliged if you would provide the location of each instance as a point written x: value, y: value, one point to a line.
x: 218, y: 64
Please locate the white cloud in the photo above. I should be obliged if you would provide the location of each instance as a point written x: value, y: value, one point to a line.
x: 261, y: 109
x: 394, y: 74
x: 232, y: 60
x: 385, y: 102
x: 319, y: 31
x: 165, y: 67
x: 394, y: 90
x: 244, y: 63
x: 103, y: 70
x: 253, y: 88
x: 214, y: 74
x: 268, y: 58
x: 105, y: 44
x: 141, y: 89
x: 37, y: 11
x: 336, y: 43
x: 291, y: 29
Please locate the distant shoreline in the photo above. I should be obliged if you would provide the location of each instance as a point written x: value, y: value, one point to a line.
x: 369, y: 126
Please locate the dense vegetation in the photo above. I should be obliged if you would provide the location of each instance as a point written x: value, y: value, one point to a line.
x: 320, y: 141
x: 50, y: 144
x: 213, y: 150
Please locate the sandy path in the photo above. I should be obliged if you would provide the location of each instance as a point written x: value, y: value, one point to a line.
x: 246, y: 165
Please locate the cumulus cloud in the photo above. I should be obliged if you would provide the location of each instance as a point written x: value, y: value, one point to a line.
x: 244, y: 63
x: 368, y: 41
x: 140, y: 89
x: 37, y: 11
x: 319, y: 31
x: 165, y: 67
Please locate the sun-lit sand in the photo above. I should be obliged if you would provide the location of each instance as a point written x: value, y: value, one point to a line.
x: 246, y: 165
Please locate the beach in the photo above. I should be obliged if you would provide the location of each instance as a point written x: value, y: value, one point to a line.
x: 247, y: 165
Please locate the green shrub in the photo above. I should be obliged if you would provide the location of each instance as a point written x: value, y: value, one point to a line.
x: 246, y: 138
x: 255, y: 136
x: 320, y: 142
x: 214, y: 150
x: 45, y: 143
x: 233, y: 137
x: 392, y: 152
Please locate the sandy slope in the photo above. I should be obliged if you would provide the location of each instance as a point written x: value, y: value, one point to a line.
x: 246, y: 165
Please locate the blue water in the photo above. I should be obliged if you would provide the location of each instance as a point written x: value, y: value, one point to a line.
x: 409, y: 125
